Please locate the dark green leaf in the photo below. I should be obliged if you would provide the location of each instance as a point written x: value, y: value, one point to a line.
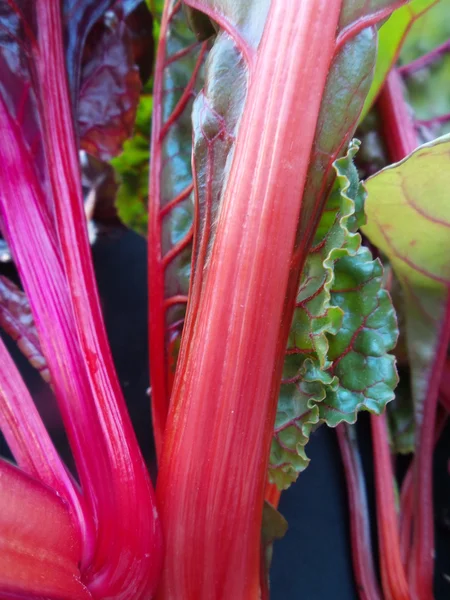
x: 344, y: 325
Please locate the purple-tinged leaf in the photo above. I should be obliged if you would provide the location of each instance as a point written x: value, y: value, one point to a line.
x: 39, y: 546
x: 79, y: 18
x: 17, y: 320
x: 109, y: 88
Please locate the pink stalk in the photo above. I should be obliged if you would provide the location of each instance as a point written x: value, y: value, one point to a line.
x: 393, y: 576
x: 127, y: 556
x: 55, y: 266
x: 29, y: 231
x: 223, y: 403
x: 401, y: 140
x: 363, y: 567
x: 28, y: 439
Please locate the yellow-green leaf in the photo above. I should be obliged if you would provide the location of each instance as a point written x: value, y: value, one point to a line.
x: 408, y: 212
x: 390, y: 39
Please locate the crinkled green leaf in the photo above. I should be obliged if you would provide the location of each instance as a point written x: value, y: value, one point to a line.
x: 429, y: 87
x: 344, y: 325
x: 390, y: 39
x: 409, y: 220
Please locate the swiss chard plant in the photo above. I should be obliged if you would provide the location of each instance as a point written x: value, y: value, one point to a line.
x: 283, y: 290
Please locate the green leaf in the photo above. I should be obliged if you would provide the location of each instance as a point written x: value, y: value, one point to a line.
x: 390, y: 39
x: 428, y: 86
x: 344, y: 325
x: 409, y: 220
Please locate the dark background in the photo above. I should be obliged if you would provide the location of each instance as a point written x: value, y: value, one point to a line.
x: 313, y: 561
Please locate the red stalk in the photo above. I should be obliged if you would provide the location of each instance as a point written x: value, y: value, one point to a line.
x: 401, y: 140
x: 363, y: 567
x: 393, y: 576
x: 426, y: 60
x: 399, y: 133
x: 223, y: 405
x: 157, y: 326
x: 407, y: 491
x: 160, y: 300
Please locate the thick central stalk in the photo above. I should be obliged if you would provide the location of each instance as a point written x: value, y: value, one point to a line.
x: 215, y: 455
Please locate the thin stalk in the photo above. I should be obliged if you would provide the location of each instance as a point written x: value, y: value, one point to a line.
x: 426, y: 60
x: 361, y: 544
x: 157, y: 326
x: 393, y: 576
x: 400, y: 135
x: 162, y: 202
x: 407, y: 491
x: 223, y: 406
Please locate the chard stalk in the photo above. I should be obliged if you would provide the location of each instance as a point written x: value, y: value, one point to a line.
x: 223, y: 402
x: 63, y: 295
x: 393, y: 576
